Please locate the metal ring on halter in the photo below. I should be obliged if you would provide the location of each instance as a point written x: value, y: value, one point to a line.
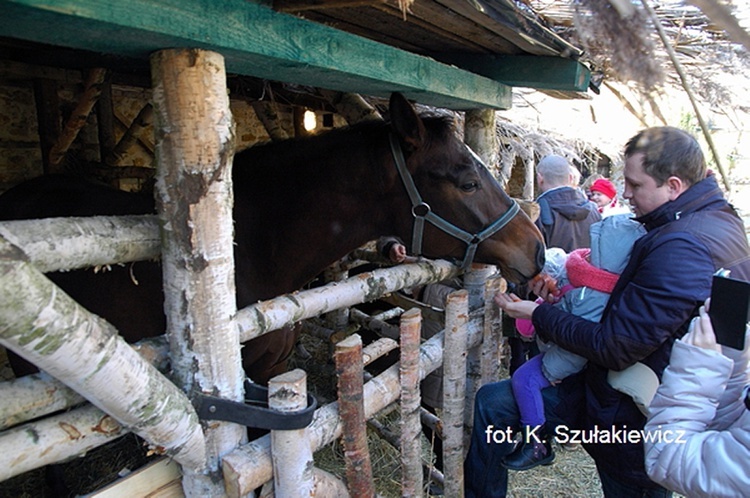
x: 422, y: 204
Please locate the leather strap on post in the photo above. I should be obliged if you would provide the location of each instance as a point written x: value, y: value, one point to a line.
x: 254, y: 412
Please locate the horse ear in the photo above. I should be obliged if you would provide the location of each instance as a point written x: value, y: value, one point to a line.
x: 406, y: 122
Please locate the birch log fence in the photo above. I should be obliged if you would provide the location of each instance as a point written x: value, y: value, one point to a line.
x: 114, y: 388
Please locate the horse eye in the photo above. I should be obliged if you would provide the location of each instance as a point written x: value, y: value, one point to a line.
x: 470, y: 186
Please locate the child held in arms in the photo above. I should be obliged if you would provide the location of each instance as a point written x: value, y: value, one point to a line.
x: 581, y: 283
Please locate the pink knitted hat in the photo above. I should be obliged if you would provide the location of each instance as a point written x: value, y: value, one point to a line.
x: 581, y: 273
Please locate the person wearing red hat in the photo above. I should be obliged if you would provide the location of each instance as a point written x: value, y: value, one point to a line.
x: 604, y: 195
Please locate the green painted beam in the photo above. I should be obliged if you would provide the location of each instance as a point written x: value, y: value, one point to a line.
x: 540, y: 72
x: 255, y: 41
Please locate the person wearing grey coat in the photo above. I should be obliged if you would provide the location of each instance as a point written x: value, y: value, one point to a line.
x: 697, y: 438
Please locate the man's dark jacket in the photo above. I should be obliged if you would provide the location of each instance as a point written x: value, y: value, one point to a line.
x: 565, y: 216
x: 667, y: 279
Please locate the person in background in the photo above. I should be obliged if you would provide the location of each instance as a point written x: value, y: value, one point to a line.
x: 565, y: 213
x: 691, y: 232
x: 565, y: 218
x: 604, y: 195
x: 700, y: 417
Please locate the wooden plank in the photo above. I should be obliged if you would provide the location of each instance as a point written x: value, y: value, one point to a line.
x: 542, y: 73
x: 255, y: 41
x: 158, y: 479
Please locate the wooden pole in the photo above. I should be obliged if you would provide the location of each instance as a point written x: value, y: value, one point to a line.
x: 292, y: 454
x: 195, y: 146
x: 474, y: 283
x: 454, y: 390
x: 260, y: 318
x: 61, y: 244
x: 78, y: 117
x: 36, y: 395
x: 248, y: 467
x: 48, y: 328
x: 411, y: 430
x: 350, y: 371
x: 688, y: 91
x: 491, y: 343
x: 55, y: 439
x: 480, y: 135
x: 142, y: 121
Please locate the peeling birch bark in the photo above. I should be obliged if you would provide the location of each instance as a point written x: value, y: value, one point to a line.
x: 350, y: 371
x: 55, y: 439
x: 491, y: 353
x: 454, y: 390
x: 292, y: 454
x: 258, y: 319
x: 195, y: 146
x: 480, y: 136
x: 474, y: 283
x: 59, y: 244
x: 411, y: 430
x: 46, y: 327
x: 36, y: 395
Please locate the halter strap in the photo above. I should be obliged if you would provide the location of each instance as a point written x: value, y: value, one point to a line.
x: 422, y: 212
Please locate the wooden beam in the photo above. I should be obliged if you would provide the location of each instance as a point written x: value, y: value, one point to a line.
x: 255, y: 41
x: 539, y: 72
x: 300, y: 5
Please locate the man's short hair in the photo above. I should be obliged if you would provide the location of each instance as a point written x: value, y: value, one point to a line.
x: 668, y: 151
x: 555, y: 170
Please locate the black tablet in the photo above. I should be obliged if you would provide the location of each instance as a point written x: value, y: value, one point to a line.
x: 730, y: 311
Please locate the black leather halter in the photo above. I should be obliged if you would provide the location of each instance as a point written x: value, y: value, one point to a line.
x: 422, y: 212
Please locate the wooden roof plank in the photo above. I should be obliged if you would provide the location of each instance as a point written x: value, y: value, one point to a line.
x: 255, y: 41
x: 539, y: 72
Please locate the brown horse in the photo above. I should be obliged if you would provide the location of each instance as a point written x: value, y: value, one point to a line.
x: 301, y: 205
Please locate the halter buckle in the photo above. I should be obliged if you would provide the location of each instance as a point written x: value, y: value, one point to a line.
x: 415, y: 210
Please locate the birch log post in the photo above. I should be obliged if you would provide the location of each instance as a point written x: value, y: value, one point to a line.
x: 291, y: 450
x: 249, y: 466
x: 454, y: 390
x: 46, y: 327
x: 491, y: 355
x: 480, y: 136
x: 474, y: 283
x: 195, y: 146
x: 350, y: 373
x: 78, y: 117
x: 411, y: 430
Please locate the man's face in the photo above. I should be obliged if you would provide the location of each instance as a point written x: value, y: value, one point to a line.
x: 641, y: 189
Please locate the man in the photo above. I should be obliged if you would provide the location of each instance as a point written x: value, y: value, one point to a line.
x: 566, y: 214
x: 691, y: 232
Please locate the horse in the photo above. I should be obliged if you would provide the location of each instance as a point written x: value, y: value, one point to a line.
x: 299, y: 206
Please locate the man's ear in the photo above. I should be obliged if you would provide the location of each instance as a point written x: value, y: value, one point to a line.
x: 676, y: 187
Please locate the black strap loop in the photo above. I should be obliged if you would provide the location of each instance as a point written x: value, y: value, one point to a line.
x: 254, y: 412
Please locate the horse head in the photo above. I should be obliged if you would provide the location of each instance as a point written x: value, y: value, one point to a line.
x: 459, y: 209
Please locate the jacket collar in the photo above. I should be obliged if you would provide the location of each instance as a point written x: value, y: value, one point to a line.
x: 701, y: 195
